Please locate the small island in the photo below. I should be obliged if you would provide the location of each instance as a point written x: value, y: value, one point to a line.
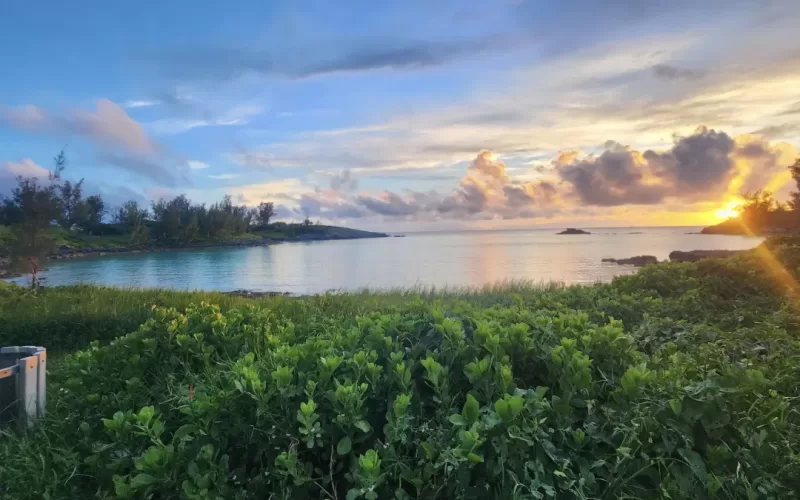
x: 572, y: 230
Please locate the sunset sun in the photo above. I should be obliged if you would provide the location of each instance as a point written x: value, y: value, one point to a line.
x: 729, y: 211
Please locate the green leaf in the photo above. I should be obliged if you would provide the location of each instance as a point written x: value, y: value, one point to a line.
x: 502, y: 409
x: 475, y: 459
x: 676, y: 406
x: 157, y: 428
x: 457, y: 419
x: 146, y: 414
x: 142, y: 481
x: 238, y: 385
x: 696, y: 463
x: 363, y: 425
x: 344, y: 446
x: 430, y: 451
x: 184, y: 431
x: 470, y: 410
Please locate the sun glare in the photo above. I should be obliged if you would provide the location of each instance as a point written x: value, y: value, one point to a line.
x: 729, y: 211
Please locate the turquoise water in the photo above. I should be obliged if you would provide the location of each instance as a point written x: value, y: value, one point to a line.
x: 469, y: 258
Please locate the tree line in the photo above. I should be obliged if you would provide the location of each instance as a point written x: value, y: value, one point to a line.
x: 761, y: 210
x: 36, y: 205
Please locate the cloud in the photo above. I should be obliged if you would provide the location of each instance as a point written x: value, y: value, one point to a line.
x: 144, y: 103
x: 698, y: 170
x: 486, y: 191
x: 794, y: 109
x: 668, y: 72
x: 194, y: 164
x: 239, y: 115
x: 223, y: 176
x: 696, y: 165
x: 153, y: 168
x: 779, y: 131
x: 10, y: 170
x: 25, y: 168
x: 120, y: 140
x: 388, y: 203
x: 344, y: 181
x: 108, y: 126
x: 222, y: 64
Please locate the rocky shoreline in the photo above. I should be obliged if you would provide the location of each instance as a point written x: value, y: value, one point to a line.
x: 675, y: 256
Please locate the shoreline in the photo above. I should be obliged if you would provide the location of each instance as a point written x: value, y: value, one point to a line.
x: 65, y: 252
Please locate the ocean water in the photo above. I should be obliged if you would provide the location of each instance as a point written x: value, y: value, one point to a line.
x: 451, y: 259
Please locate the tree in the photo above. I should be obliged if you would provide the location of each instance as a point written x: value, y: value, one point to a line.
x: 35, y: 208
x: 74, y: 210
x: 129, y: 214
x: 264, y: 212
x: 95, y: 210
x: 132, y: 217
x: 757, y: 209
x: 794, y: 202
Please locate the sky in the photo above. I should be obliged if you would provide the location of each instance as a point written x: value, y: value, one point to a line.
x: 410, y: 114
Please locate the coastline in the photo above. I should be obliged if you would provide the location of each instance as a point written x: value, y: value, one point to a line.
x: 66, y: 252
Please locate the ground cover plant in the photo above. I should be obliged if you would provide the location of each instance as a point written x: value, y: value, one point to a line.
x: 678, y: 382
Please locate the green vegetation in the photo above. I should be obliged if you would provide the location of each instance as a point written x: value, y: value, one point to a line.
x: 44, y: 218
x: 761, y: 213
x: 678, y: 382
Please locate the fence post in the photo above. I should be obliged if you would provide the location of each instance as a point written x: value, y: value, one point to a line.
x: 23, y: 373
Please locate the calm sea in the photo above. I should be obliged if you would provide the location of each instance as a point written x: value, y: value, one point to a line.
x: 467, y: 258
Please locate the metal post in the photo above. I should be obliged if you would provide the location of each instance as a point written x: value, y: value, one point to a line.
x: 23, y: 383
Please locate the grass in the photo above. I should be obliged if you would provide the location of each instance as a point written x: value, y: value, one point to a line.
x: 680, y: 381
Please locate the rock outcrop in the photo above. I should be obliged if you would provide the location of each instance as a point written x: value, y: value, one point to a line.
x: 695, y: 255
x: 638, y: 261
x: 572, y: 230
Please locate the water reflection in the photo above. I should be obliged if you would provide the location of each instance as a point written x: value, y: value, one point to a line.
x: 432, y: 259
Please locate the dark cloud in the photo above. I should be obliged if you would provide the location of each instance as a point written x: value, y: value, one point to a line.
x: 667, y: 72
x: 698, y: 165
x: 612, y: 178
x: 221, y: 64
x: 388, y: 203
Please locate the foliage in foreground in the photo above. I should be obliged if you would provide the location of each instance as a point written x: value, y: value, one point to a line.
x: 534, y: 393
